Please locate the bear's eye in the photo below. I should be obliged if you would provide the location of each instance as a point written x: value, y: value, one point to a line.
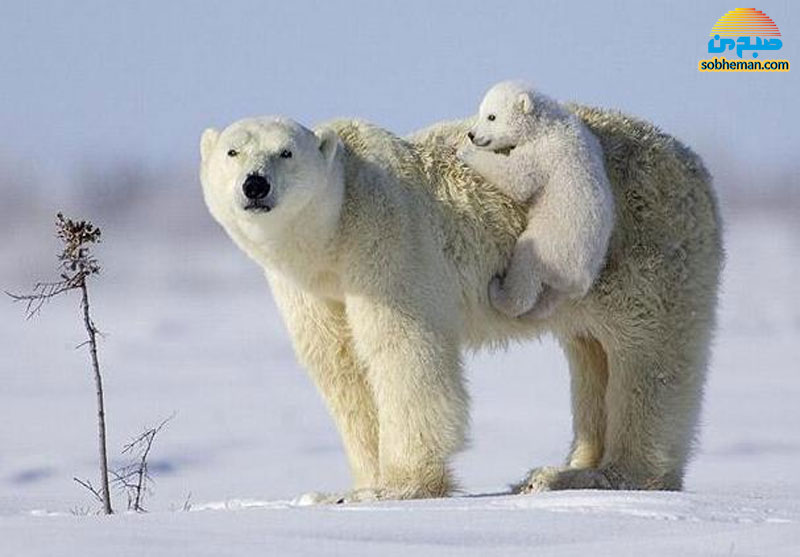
x: 491, y: 117
x: 232, y: 152
x: 286, y: 154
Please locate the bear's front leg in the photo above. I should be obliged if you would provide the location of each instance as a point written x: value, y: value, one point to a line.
x: 323, y: 344
x: 414, y: 367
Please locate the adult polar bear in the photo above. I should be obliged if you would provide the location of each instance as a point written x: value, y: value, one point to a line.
x: 379, y: 251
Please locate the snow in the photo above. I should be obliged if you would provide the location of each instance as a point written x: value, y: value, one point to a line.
x: 191, y: 329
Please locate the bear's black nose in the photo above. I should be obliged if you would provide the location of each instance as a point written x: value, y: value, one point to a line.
x: 255, y: 187
x: 471, y: 136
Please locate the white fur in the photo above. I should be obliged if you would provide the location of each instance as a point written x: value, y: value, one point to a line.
x: 378, y: 252
x: 342, y: 307
x: 293, y: 237
x: 555, y: 165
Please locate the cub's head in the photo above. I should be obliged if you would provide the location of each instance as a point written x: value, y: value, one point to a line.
x: 260, y: 174
x: 504, y: 117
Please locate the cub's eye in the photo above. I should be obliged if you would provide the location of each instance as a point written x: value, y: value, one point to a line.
x: 286, y: 154
x: 491, y: 117
x: 233, y: 153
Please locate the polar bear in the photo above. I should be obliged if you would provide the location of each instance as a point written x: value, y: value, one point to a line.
x: 378, y: 251
x: 526, y: 143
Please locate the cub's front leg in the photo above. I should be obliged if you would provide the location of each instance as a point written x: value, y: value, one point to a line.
x: 515, y: 174
x: 414, y: 367
x: 518, y: 291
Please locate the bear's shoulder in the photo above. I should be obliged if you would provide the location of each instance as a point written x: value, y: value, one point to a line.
x: 364, y: 139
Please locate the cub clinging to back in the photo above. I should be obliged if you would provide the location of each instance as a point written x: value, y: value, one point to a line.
x: 540, y: 154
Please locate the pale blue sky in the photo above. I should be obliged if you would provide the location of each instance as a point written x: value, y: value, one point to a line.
x: 96, y: 81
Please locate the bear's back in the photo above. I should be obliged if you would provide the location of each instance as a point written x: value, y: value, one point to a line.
x: 666, y: 211
x: 667, y: 242
x: 665, y: 248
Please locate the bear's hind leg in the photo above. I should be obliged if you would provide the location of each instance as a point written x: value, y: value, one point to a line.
x: 588, y: 366
x: 653, y: 401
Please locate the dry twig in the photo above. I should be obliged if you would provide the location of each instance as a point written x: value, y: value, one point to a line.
x: 134, y: 479
x: 76, y: 264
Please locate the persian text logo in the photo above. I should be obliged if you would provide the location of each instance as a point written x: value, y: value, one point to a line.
x: 747, y: 32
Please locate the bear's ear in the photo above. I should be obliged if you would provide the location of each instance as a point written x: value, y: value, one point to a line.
x: 525, y: 102
x: 328, y: 143
x: 207, y: 142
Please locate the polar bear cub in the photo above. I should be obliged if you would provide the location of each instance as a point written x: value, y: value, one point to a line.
x: 539, y: 153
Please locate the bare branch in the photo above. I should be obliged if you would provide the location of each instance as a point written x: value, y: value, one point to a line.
x: 44, y: 292
x: 187, y: 503
x: 88, y: 485
x: 76, y: 263
x: 134, y: 479
x: 81, y: 511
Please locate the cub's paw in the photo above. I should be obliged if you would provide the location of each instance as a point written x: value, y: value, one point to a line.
x: 467, y: 153
x: 553, y: 478
x: 545, y: 305
x: 503, y: 301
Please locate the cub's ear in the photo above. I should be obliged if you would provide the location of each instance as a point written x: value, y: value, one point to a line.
x: 525, y: 102
x: 207, y: 142
x: 329, y: 143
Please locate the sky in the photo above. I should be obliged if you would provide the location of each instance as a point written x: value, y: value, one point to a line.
x: 88, y: 82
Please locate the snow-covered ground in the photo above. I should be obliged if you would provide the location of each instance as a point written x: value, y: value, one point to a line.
x: 191, y: 329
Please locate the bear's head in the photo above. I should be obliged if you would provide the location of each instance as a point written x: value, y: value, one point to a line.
x: 504, y: 117
x: 264, y: 178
